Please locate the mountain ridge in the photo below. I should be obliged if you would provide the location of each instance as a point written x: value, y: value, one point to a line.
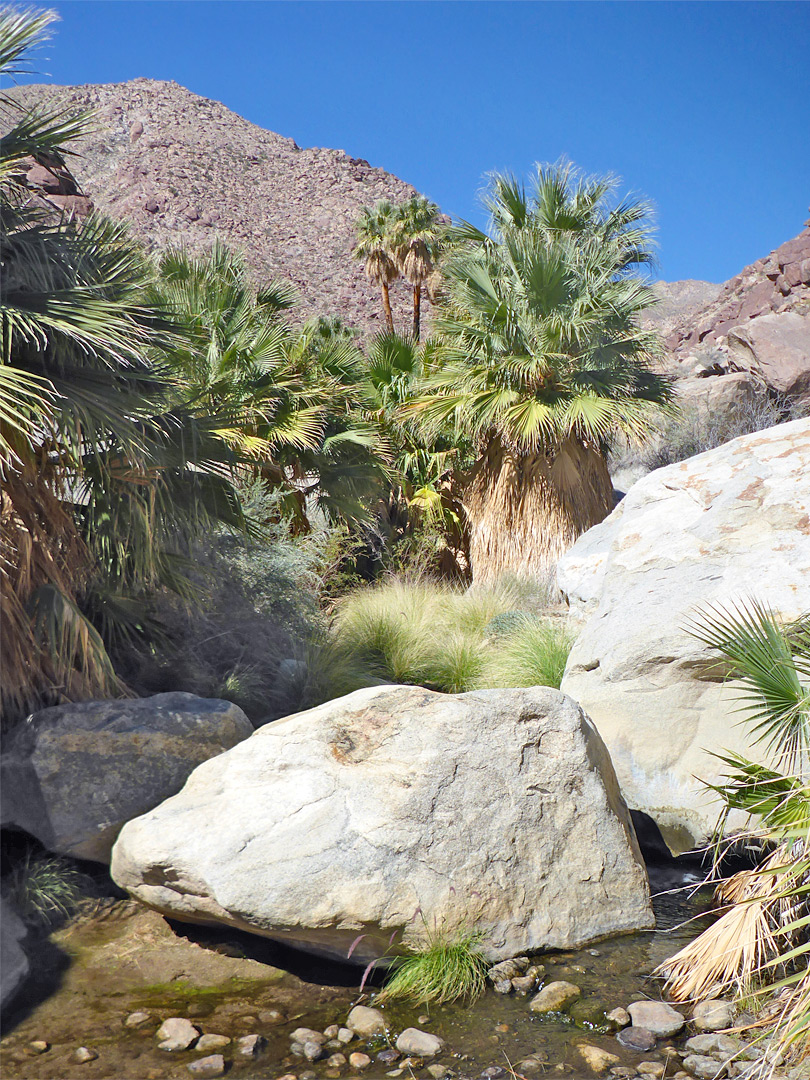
x: 182, y: 169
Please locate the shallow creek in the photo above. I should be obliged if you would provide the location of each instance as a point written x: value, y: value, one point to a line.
x: 93, y: 974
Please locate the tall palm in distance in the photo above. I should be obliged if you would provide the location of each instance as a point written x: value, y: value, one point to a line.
x: 542, y: 361
x: 376, y: 246
x: 417, y: 231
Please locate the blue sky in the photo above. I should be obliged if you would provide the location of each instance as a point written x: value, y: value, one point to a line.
x: 702, y: 107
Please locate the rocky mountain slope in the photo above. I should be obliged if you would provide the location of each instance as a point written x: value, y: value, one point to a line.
x: 776, y: 284
x: 181, y: 169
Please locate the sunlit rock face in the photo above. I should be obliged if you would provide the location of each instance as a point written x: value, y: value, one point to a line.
x: 722, y: 527
x: 395, y: 812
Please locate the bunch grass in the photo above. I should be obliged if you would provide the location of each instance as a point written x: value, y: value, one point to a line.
x: 47, y: 889
x: 426, y: 633
x: 448, y: 969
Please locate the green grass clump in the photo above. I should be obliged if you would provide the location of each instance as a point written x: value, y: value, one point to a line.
x: 447, y: 970
x: 533, y: 654
x: 46, y: 889
x: 425, y: 633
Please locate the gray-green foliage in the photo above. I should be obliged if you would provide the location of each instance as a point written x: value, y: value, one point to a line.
x: 696, y: 428
x: 425, y: 633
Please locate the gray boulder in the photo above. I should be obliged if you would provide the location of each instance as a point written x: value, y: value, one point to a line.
x: 14, y: 966
x: 720, y: 527
x: 496, y: 810
x: 73, y: 774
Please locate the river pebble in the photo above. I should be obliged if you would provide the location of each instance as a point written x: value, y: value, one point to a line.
x: 39, y: 1046
x: 250, y: 1045
x: 712, y: 1044
x: 656, y: 1016
x: 213, y: 1065
x: 555, y: 997
x: 618, y: 1018
x: 597, y: 1059
x: 713, y: 1015
x: 359, y: 1061
x: 366, y: 1022
x: 336, y: 1061
x: 176, y: 1033
x: 388, y: 1056
x: 137, y: 1019
x: 84, y: 1054
x: 636, y: 1038
x: 211, y: 1042
x: 704, y: 1068
x: 419, y: 1043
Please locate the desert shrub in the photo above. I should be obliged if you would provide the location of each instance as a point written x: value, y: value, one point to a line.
x: 448, y: 969
x: 696, y: 428
x: 247, y: 632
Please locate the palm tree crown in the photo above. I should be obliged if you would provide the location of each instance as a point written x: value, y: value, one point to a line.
x: 376, y: 246
x: 542, y: 355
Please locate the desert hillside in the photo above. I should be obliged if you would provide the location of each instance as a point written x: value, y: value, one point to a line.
x: 182, y: 168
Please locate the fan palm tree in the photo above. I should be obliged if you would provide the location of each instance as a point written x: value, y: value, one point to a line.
x: 288, y: 400
x: 543, y: 361
x: 426, y: 464
x: 417, y: 232
x: 761, y: 942
x: 100, y: 468
x: 376, y: 246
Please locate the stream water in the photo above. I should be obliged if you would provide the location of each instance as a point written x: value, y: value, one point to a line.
x: 90, y: 976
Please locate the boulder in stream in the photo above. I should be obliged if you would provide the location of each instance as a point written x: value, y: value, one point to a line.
x: 392, y: 811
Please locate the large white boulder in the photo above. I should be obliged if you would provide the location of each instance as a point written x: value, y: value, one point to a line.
x: 396, y: 812
x: 721, y: 527
x: 73, y: 774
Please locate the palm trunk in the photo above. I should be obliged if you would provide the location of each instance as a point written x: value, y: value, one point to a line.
x: 389, y: 318
x: 417, y: 310
x: 524, y: 511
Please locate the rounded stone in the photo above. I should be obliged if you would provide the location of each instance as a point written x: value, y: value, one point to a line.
x: 211, y: 1042
x: 555, y: 997
x: 84, y: 1054
x: 359, y: 1061
x: 636, y: 1038
x: 419, y: 1043
x: 656, y: 1016
x: 713, y: 1015
x: 366, y: 1022
x: 704, y: 1068
x: 211, y: 1066
x: 597, y: 1059
x: 137, y: 1019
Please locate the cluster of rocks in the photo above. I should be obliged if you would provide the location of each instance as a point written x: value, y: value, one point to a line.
x: 182, y: 169
x: 317, y: 827
x: 775, y: 284
x: 51, y: 184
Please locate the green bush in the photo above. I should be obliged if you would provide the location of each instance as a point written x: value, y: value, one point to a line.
x: 533, y: 654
